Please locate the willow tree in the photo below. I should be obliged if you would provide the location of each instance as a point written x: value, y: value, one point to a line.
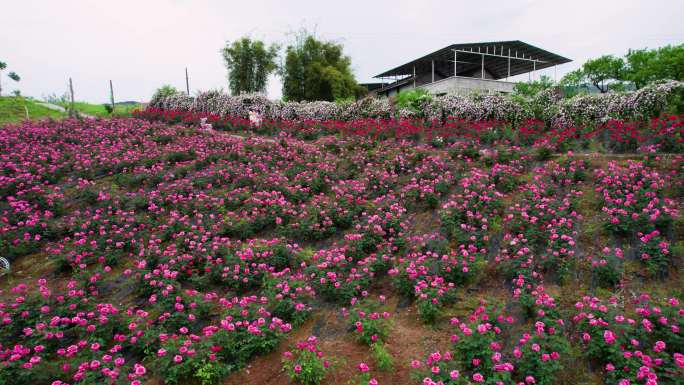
x: 249, y: 62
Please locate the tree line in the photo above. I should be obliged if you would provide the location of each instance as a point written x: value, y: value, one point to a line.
x: 311, y: 69
x: 609, y: 73
x: 637, y: 68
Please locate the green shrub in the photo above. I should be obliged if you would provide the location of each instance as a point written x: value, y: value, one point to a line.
x: 543, y: 154
x: 413, y: 100
x: 428, y: 310
x: 162, y: 92
x: 608, y: 269
x: 181, y: 156
x: 382, y: 357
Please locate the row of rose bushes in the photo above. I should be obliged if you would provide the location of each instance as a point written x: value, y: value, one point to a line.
x: 635, y: 205
x: 547, y: 106
x: 628, y: 340
x: 658, y: 134
x: 631, y: 342
x: 209, y: 242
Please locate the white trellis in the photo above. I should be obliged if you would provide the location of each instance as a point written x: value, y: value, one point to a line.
x: 4, y: 266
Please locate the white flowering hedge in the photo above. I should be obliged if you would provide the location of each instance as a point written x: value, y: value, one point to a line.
x: 548, y: 106
x: 476, y: 108
x: 641, y: 104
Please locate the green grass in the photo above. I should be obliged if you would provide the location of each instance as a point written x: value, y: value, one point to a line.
x: 99, y: 109
x: 12, y: 110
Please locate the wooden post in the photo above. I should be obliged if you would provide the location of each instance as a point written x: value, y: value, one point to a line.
x: 72, y: 110
x: 111, y: 94
x: 187, y: 82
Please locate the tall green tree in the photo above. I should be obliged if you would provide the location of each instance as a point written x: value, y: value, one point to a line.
x: 249, y: 62
x: 647, y: 65
x: 602, y: 70
x: 573, y: 79
x: 317, y: 70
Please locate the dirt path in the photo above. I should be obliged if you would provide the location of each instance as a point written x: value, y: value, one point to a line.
x: 409, y: 339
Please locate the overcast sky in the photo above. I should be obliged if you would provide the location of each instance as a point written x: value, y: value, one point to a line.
x: 143, y: 44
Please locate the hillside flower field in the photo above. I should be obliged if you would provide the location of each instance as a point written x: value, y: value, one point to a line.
x: 187, y: 246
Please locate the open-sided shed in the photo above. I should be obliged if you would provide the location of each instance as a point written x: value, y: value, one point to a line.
x: 484, y: 60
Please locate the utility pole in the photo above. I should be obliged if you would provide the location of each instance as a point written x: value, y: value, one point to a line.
x: 187, y: 82
x: 72, y: 110
x: 111, y: 94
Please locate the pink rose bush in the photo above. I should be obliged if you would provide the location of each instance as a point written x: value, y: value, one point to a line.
x: 638, y: 346
x: 370, y: 323
x: 363, y: 376
x: 481, y: 355
x: 608, y: 267
x: 306, y: 363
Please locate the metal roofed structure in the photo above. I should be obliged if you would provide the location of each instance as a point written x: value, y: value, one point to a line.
x: 460, y: 68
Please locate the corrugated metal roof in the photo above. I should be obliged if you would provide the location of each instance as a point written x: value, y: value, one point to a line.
x: 495, y: 62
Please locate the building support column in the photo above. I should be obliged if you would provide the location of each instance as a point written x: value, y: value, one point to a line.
x: 482, y: 66
x: 433, y: 71
x: 414, y: 76
x: 555, y: 74
x: 509, y: 64
x: 455, y: 64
